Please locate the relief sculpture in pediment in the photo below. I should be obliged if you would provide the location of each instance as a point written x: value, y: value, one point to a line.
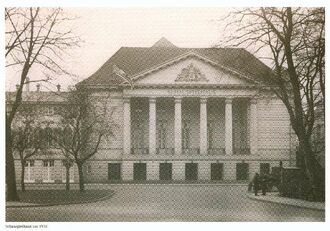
x: 191, y: 74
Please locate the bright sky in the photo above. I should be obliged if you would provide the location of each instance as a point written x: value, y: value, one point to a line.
x: 105, y: 30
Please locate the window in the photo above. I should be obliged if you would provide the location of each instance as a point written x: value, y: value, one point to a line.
x: 29, y: 171
x: 185, y: 135
x: 48, y: 171
x: 140, y: 171
x: 49, y: 110
x: 165, y: 171
x: 89, y: 168
x: 29, y: 163
x: 210, y: 134
x: 242, y: 171
x: 48, y: 163
x: 162, y: 135
x: 216, y: 171
x: 139, y: 135
x: 71, y: 170
x: 114, y: 170
x: 49, y: 136
x: 191, y: 171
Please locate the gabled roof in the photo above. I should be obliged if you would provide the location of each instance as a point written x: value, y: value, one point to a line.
x: 135, y: 60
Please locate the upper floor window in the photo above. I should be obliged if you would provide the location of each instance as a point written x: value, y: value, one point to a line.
x: 210, y: 125
x: 48, y: 163
x: 29, y: 163
x: 186, y: 134
x: 162, y: 135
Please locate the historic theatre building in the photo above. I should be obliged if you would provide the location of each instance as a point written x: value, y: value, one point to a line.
x: 187, y: 114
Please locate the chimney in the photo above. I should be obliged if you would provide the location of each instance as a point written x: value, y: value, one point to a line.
x: 27, y: 82
x: 58, y: 87
x: 38, y: 87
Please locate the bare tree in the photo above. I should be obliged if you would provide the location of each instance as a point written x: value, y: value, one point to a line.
x: 295, y: 40
x: 34, y: 37
x: 26, y: 139
x: 84, y: 126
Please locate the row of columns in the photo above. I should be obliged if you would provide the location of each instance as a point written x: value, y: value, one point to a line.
x: 178, y: 126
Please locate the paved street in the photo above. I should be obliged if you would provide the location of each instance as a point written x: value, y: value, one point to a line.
x: 170, y: 203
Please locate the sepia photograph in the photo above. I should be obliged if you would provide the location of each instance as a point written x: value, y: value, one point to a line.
x: 164, y: 114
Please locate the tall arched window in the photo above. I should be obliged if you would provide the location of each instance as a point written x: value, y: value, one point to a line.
x: 49, y: 137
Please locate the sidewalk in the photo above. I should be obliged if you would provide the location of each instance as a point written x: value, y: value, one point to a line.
x: 274, y: 197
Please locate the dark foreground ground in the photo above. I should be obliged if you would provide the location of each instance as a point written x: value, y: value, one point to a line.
x: 169, y: 203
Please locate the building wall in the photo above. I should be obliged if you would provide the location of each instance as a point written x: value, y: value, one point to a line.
x: 274, y: 133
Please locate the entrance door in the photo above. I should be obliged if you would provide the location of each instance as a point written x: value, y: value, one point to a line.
x: 114, y: 170
x: 140, y: 171
x: 191, y: 171
x: 165, y: 171
x: 216, y: 171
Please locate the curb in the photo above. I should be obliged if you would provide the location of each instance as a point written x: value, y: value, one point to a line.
x: 170, y: 184
x: 252, y: 197
x: 57, y: 204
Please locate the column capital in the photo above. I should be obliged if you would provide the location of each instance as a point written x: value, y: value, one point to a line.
x: 152, y: 99
x: 177, y: 99
x: 229, y: 100
x: 203, y: 100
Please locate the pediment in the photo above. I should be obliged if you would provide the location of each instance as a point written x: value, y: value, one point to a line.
x: 192, y: 70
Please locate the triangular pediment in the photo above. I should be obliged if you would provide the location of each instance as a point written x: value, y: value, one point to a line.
x: 191, y: 70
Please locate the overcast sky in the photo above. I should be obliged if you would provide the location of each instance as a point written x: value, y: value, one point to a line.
x: 105, y: 30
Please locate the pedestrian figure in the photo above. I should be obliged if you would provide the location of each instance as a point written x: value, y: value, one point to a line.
x: 256, y: 182
x: 250, y: 186
x: 263, y: 183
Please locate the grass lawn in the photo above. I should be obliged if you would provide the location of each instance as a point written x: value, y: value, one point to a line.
x: 62, y: 196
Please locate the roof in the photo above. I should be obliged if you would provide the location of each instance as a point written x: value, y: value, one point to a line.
x: 135, y: 60
x: 39, y: 96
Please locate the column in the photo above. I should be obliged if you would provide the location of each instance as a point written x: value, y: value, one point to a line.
x: 253, y: 127
x: 152, y: 126
x: 127, y: 127
x: 177, y: 126
x: 228, y: 127
x: 203, y: 126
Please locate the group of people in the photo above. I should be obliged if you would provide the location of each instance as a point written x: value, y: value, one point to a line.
x: 260, y: 182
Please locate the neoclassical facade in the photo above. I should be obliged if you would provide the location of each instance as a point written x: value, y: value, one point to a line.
x: 187, y: 114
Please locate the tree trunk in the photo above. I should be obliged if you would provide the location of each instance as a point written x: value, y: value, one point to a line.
x: 67, y: 179
x: 81, y: 177
x: 22, y: 176
x: 11, y: 194
x: 313, y: 170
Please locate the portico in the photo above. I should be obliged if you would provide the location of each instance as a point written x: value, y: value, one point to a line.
x: 189, y: 125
